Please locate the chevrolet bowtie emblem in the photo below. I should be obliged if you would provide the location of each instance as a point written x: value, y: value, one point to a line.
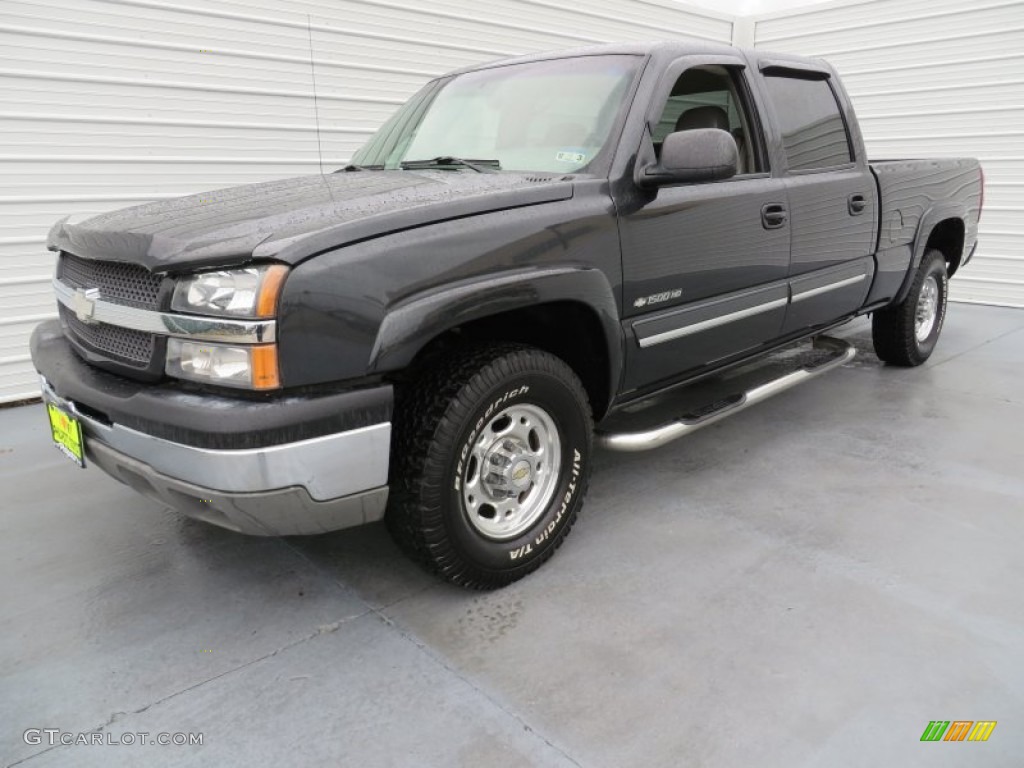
x: 83, y: 302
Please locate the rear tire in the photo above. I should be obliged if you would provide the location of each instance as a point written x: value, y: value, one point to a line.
x: 491, y: 458
x: 906, y: 333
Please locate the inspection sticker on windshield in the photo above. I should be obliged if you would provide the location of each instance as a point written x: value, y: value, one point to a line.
x: 570, y: 156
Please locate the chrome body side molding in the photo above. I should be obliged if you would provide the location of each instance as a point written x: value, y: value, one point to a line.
x: 830, y: 287
x: 714, y: 322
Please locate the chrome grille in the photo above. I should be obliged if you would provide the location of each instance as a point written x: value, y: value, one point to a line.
x: 122, y: 345
x: 119, y: 283
x: 123, y: 283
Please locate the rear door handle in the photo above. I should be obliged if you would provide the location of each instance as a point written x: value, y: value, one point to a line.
x: 773, y: 215
x: 857, y: 204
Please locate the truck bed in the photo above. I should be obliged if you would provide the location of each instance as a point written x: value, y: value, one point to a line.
x: 910, y: 188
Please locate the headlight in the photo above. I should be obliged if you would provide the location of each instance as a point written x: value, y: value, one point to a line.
x: 249, y: 292
x: 249, y: 367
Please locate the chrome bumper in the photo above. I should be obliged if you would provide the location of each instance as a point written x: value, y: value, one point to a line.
x: 309, y: 486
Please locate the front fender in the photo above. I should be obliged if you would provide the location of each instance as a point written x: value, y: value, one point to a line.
x: 413, y: 323
x: 367, y: 308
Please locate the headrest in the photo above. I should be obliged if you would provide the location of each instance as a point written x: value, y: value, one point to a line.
x: 703, y: 117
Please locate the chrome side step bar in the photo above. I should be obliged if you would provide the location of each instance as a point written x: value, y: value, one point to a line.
x: 666, y: 433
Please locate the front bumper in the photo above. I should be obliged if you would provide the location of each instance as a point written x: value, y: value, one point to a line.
x: 264, y: 483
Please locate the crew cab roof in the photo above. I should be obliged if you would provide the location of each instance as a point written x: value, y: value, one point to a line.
x: 660, y: 49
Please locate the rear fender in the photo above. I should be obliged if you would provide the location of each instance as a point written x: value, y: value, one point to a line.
x: 929, y: 221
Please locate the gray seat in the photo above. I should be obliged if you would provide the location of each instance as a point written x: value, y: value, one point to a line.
x: 713, y: 117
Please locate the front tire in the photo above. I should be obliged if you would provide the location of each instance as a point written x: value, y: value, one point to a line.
x: 491, y: 458
x: 906, y: 333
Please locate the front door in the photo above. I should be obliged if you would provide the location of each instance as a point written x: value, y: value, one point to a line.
x: 704, y: 265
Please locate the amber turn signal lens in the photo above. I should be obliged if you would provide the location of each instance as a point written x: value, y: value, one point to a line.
x: 270, y: 290
x: 264, y: 367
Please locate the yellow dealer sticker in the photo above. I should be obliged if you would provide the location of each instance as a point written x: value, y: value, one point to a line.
x: 67, y: 434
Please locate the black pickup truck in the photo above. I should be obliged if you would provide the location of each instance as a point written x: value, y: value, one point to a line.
x: 438, y: 333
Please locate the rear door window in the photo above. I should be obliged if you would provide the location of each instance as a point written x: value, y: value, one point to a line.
x: 814, y: 133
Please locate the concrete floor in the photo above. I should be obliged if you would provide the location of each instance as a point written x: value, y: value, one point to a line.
x: 807, y: 584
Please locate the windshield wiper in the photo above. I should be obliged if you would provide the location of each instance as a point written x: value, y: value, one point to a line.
x: 352, y: 167
x: 480, y: 166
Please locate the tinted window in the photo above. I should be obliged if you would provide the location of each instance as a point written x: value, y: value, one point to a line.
x: 708, y: 97
x: 813, y: 132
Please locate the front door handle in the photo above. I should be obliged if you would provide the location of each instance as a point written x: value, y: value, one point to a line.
x: 774, y: 215
x: 857, y: 204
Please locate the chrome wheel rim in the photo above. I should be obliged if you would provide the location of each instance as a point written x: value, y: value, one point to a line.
x: 927, y: 308
x: 512, y: 471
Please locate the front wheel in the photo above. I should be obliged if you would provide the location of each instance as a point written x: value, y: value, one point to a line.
x: 491, y: 458
x: 905, y: 333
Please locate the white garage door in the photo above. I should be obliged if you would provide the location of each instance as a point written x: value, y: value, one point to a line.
x: 108, y: 103
x: 935, y: 77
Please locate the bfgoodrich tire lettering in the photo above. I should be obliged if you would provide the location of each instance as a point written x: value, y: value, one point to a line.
x: 447, y: 414
x: 906, y: 333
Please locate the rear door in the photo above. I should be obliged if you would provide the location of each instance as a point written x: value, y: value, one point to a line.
x: 832, y: 196
x: 704, y: 264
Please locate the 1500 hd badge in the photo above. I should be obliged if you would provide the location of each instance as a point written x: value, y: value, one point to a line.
x: 658, y: 298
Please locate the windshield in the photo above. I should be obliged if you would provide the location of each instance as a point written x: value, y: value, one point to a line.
x: 541, y: 116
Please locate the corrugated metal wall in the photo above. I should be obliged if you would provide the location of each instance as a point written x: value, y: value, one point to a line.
x: 934, y: 77
x: 108, y: 103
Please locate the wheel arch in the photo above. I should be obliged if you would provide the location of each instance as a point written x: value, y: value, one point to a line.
x: 948, y: 236
x: 944, y: 229
x: 571, y: 312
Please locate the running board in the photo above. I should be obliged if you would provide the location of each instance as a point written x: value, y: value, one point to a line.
x: 666, y: 433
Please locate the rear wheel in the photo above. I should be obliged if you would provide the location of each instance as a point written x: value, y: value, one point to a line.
x: 491, y: 458
x: 906, y: 333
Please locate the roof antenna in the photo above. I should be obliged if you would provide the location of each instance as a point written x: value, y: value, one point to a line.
x: 316, y: 105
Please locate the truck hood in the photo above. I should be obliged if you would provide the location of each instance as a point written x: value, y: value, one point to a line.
x: 291, y: 219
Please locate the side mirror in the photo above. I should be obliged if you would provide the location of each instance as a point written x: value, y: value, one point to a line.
x: 700, y: 154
